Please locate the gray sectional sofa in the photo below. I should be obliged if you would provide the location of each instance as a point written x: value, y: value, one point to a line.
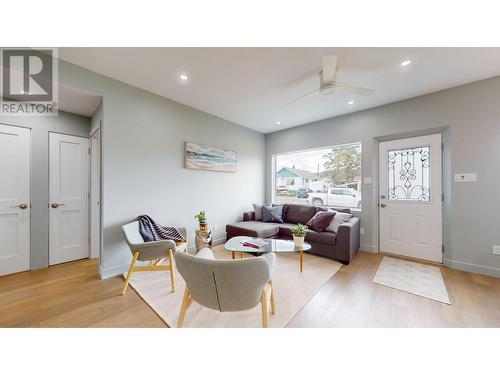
x: 341, y: 246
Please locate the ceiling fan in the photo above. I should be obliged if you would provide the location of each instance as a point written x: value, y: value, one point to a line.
x: 327, y: 83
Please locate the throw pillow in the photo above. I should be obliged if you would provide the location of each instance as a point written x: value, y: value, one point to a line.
x: 321, y: 220
x: 257, y: 208
x: 272, y: 214
x: 339, y: 219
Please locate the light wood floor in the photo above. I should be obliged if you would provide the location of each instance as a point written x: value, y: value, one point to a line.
x: 72, y: 295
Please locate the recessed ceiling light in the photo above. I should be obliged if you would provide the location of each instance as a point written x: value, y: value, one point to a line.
x: 278, y: 122
x: 183, y: 77
x: 350, y: 102
x: 406, y: 62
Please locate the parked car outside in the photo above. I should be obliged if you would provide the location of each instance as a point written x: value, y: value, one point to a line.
x: 337, y: 196
x: 303, y: 193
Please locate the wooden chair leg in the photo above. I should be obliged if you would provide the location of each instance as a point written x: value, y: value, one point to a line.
x: 265, y: 312
x: 171, y: 260
x: 273, y: 303
x: 184, y: 306
x: 130, y: 270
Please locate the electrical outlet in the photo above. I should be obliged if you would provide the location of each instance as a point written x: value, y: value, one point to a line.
x: 214, y: 228
x: 496, y: 249
x: 362, y: 231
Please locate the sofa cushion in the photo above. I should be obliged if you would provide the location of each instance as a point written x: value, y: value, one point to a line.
x: 272, y: 214
x: 257, y: 208
x: 285, y: 229
x: 339, y: 219
x: 298, y: 213
x: 320, y: 221
x: 321, y: 237
x: 253, y: 229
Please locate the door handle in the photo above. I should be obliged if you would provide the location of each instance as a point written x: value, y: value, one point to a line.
x: 55, y: 205
x: 383, y: 205
x: 22, y: 206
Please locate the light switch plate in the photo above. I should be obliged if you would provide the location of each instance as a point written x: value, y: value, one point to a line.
x: 496, y: 249
x: 465, y: 177
x: 367, y: 180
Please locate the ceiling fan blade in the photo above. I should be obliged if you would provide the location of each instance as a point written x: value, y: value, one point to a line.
x: 303, y: 96
x: 305, y: 79
x: 354, y: 89
x: 329, y: 68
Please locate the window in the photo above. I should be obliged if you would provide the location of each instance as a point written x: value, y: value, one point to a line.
x: 329, y: 176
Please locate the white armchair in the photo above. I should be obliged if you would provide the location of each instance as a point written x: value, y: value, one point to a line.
x: 155, y: 252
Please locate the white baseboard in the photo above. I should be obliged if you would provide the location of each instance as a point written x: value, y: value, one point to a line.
x: 369, y: 248
x: 474, y: 268
x: 108, y: 272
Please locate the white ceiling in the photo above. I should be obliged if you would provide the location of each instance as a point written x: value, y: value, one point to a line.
x: 252, y: 86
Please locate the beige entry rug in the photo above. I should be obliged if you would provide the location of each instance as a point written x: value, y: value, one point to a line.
x: 292, y: 291
x: 420, y: 279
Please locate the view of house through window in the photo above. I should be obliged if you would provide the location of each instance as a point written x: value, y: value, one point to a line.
x: 329, y: 176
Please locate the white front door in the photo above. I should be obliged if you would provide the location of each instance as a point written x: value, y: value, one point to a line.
x: 411, y: 197
x: 68, y: 198
x: 14, y: 199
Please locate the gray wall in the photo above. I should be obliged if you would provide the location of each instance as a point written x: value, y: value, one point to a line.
x: 66, y: 123
x: 143, y: 171
x: 469, y: 118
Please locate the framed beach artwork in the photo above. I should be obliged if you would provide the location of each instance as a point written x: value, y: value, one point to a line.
x: 209, y: 158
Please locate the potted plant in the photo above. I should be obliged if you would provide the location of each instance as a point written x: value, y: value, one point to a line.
x: 202, y: 219
x: 299, y: 232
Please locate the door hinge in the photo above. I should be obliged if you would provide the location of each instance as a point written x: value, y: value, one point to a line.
x: 88, y: 195
x: 442, y: 146
x: 89, y: 150
x: 442, y: 197
x: 442, y: 249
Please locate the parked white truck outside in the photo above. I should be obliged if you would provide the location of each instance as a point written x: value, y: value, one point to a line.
x: 337, y: 196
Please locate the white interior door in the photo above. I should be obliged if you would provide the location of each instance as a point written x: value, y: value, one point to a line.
x: 411, y: 197
x: 68, y: 198
x: 95, y: 194
x: 14, y: 199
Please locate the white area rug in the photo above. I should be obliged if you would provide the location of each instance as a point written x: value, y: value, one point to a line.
x: 292, y: 291
x: 422, y: 280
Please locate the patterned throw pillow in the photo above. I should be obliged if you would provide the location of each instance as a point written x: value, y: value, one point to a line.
x: 338, y: 219
x: 320, y: 221
x: 272, y: 214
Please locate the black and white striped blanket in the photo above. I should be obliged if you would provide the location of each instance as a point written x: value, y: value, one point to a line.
x: 152, y: 231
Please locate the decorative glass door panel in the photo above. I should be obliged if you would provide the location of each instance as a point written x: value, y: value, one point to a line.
x: 409, y: 174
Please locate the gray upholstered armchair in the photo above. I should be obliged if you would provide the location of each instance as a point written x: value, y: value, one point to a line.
x: 227, y: 285
x: 155, y: 252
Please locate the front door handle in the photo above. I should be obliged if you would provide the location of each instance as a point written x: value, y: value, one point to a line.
x: 383, y: 205
x: 55, y: 205
x: 22, y: 206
